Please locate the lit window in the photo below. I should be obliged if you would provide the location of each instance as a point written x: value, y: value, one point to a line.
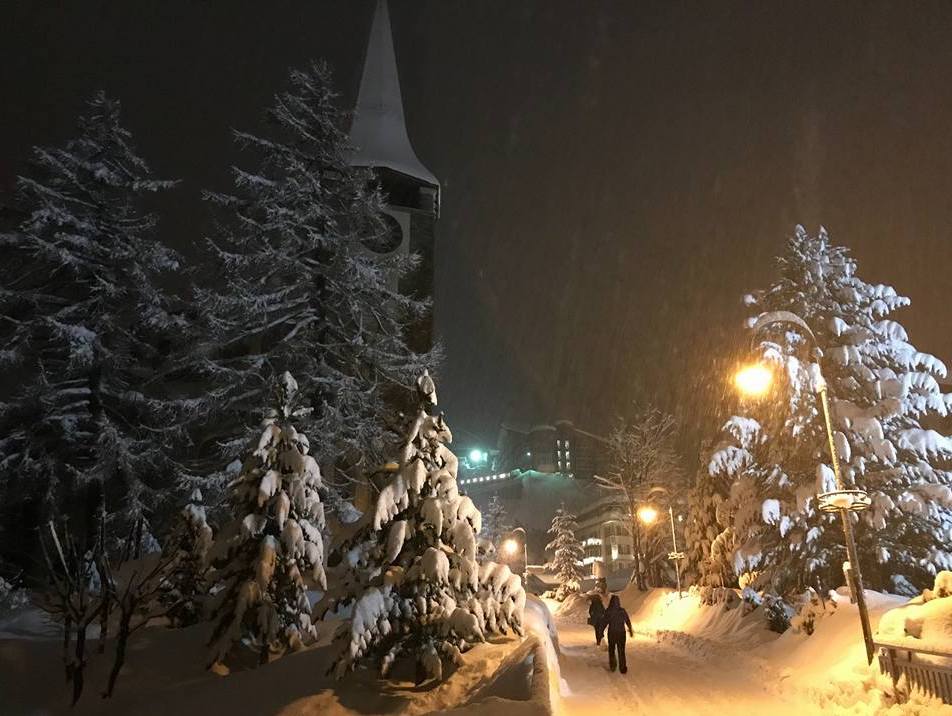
x: 568, y: 466
x: 558, y: 443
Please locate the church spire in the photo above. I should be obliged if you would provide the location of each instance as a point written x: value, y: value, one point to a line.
x: 379, y: 131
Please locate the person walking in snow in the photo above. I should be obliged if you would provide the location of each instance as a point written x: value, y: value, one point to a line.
x: 616, y: 620
x: 596, y: 611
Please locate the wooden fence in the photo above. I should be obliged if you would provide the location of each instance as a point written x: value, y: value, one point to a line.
x: 930, y: 678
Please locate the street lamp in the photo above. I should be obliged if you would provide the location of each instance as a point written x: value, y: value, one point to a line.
x: 511, y: 545
x: 647, y: 514
x: 755, y: 381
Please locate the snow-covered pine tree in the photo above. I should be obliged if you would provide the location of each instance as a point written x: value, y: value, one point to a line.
x: 299, y: 289
x: 410, y: 570
x: 496, y: 522
x: 881, y: 389
x: 567, y: 553
x: 702, y: 529
x: 84, y: 321
x: 185, y: 587
x: 278, y: 544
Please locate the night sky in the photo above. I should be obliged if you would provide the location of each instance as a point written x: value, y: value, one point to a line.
x: 615, y: 174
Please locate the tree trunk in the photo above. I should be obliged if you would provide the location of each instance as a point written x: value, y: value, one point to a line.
x: 67, y: 658
x: 121, y: 641
x: 103, y: 622
x: 80, y: 663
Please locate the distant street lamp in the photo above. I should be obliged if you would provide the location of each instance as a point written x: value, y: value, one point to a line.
x: 511, y: 546
x: 755, y: 381
x: 647, y: 514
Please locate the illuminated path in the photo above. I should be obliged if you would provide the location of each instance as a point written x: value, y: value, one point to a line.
x: 662, y: 679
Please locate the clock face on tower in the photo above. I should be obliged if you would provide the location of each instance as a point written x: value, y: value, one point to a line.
x: 388, y: 240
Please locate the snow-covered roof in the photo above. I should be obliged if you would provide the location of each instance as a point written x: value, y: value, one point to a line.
x: 379, y: 131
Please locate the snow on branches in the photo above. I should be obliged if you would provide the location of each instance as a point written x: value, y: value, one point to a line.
x: 776, y: 458
x: 84, y: 323
x: 410, y: 570
x: 277, y: 545
x: 300, y: 290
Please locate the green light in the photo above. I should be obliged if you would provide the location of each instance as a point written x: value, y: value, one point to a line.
x: 476, y: 455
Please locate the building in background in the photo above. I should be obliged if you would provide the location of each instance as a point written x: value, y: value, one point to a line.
x: 379, y: 135
x: 560, y: 447
x: 605, y: 533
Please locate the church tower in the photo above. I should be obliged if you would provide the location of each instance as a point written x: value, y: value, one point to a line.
x: 379, y: 134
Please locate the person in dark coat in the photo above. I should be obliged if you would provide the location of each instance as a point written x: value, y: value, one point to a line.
x: 616, y: 620
x: 596, y: 611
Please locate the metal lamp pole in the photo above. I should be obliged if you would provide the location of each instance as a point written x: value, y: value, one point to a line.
x: 675, y: 556
x: 841, y: 499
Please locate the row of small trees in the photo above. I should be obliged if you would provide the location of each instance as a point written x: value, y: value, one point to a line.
x: 128, y: 371
x: 408, y: 578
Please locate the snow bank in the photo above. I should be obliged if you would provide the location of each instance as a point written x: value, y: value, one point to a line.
x: 541, y: 679
x: 924, y: 622
x: 829, y: 667
x: 168, y: 675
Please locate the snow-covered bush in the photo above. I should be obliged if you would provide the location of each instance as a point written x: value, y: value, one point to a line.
x: 777, y: 613
x: 751, y: 600
x: 186, y: 587
x: 410, y: 571
x: 277, y: 542
x: 567, y: 555
x: 812, y: 608
x: 775, y: 454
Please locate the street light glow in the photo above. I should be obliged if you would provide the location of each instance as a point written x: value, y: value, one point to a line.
x: 753, y: 380
x: 647, y: 514
x: 510, y: 547
x: 476, y: 455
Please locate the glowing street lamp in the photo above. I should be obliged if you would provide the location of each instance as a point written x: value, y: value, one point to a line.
x: 755, y: 380
x: 477, y: 456
x: 647, y: 514
x: 511, y: 547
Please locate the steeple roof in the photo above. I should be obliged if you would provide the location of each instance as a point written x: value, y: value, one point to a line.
x: 379, y: 131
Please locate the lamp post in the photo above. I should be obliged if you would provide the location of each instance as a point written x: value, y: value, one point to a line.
x: 674, y: 555
x: 511, y: 548
x: 755, y: 380
x: 646, y: 515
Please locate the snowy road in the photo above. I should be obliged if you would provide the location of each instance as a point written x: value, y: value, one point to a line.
x: 661, y: 679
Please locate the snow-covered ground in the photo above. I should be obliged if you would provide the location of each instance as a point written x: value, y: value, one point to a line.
x: 690, y: 658
x: 165, y: 674
x: 686, y: 658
